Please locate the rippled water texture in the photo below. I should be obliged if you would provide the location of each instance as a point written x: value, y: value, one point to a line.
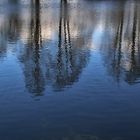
x: 69, y: 70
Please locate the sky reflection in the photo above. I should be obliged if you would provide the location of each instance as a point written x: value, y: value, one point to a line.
x: 54, y: 46
x: 69, y: 70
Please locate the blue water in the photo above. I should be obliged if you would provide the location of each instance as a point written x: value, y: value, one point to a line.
x: 69, y: 71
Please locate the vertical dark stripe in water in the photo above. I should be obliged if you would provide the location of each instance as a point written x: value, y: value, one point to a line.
x: 133, y: 61
x: 133, y: 51
x: 120, y: 44
x: 65, y: 16
x: 59, y: 56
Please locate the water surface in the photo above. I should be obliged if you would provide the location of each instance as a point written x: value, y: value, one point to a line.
x: 69, y: 71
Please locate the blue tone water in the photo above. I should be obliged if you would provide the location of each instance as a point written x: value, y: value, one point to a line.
x: 69, y: 70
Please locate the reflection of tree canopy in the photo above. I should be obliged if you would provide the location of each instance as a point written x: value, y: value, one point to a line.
x: 70, y: 61
x: 31, y: 59
x: 41, y: 64
x: 10, y: 29
x: 59, y: 61
x: 124, y: 58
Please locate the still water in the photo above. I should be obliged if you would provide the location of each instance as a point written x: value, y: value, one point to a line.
x: 69, y: 70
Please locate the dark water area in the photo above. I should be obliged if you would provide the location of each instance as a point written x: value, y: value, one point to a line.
x: 69, y: 70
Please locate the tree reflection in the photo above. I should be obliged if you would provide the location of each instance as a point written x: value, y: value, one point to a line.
x: 125, y: 62
x: 58, y: 60
x: 41, y: 67
x: 134, y: 73
x: 34, y: 78
x: 10, y: 29
x: 14, y: 26
x: 118, y: 47
x: 68, y: 65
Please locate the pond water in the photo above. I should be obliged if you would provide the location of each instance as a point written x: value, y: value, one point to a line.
x: 69, y: 70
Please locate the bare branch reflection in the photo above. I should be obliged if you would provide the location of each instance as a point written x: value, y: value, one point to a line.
x: 10, y: 28
x: 54, y: 45
x: 34, y: 78
x: 125, y: 63
x: 41, y: 67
